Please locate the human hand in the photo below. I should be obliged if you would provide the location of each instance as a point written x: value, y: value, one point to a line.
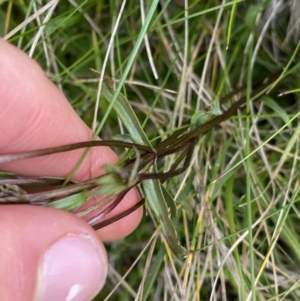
x: 45, y: 253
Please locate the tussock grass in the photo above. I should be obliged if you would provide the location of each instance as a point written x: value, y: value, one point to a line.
x: 238, y: 200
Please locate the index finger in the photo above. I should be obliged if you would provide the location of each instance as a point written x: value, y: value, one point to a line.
x: 35, y: 114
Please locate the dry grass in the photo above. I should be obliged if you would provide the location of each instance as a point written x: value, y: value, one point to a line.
x: 239, y: 199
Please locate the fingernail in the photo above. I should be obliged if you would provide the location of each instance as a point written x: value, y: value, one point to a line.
x: 74, y: 268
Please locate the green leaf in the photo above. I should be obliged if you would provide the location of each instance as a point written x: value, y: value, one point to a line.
x: 199, y: 118
x: 215, y: 107
x: 277, y: 109
x: 71, y: 202
x: 123, y: 137
x: 152, y: 188
x: 169, y: 201
x: 157, y: 202
x: 182, y: 199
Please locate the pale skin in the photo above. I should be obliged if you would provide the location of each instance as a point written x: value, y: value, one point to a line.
x: 34, y: 114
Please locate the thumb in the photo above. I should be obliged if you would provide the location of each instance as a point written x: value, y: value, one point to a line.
x: 60, y: 259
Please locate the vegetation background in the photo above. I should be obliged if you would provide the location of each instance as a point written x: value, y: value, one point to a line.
x: 239, y: 199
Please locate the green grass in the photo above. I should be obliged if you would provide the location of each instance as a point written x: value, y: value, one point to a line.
x: 239, y: 199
